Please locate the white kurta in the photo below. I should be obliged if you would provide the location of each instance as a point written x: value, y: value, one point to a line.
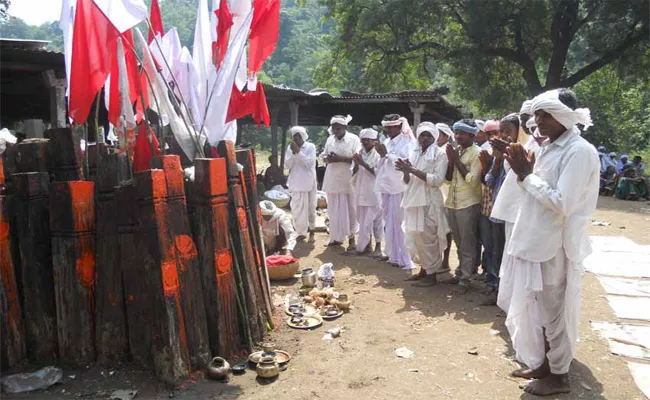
x: 302, y: 182
x: 367, y: 201
x: 424, y: 216
x: 337, y: 184
x: 271, y: 229
x: 559, y: 199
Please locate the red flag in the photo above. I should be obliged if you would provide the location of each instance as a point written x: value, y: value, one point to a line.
x: 224, y: 18
x: 142, y: 154
x: 156, y: 21
x: 251, y: 102
x: 132, y: 74
x: 94, y: 37
x: 265, y: 30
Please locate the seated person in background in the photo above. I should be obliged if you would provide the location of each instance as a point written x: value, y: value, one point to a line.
x: 277, y: 229
x: 631, y: 184
x: 608, y: 181
x: 273, y: 175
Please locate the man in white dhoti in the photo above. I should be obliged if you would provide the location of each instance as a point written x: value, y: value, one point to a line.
x: 366, y: 198
x: 277, y: 229
x: 424, y: 213
x: 391, y: 187
x: 549, y: 241
x: 337, y: 153
x: 445, y: 139
x: 301, y: 161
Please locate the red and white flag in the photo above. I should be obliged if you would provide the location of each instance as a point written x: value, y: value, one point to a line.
x: 222, y: 21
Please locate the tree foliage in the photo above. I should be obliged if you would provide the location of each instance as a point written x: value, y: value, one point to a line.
x: 16, y: 28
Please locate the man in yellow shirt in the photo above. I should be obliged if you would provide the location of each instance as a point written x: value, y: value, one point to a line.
x: 464, y: 199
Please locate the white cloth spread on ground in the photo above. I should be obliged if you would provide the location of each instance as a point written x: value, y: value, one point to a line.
x: 271, y: 228
x: 424, y: 221
x: 367, y: 201
x: 540, y: 279
x: 302, y: 182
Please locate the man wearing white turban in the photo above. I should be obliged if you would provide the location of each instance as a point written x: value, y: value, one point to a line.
x: 366, y: 198
x: 560, y: 195
x: 277, y: 229
x: 391, y: 187
x: 424, y: 213
x: 337, y: 153
x: 301, y: 161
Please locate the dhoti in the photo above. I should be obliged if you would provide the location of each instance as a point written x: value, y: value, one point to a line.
x: 393, y: 215
x: 342, y: 214
x: 429, y: 244
x: 303, y: 209
x: 544, y: 301
x: 370, y: 223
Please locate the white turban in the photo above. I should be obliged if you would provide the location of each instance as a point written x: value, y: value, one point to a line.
x: 430, y: 127
x: 368, y: 133
x: 530, y: 124
x: 341, y: 120
x: 444, y: 128
x: 479, y: 124
x: 406, y: 128
x: 601, y: 148
x: 267, y: 207
x: 612, y: 154
x: 525, y: 107
x: 299, y: 130
x: 550, y: 102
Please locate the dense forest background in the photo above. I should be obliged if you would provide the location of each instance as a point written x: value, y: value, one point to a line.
x: 491, y: 54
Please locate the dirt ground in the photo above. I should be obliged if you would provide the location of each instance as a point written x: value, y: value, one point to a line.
x: 439, y: 326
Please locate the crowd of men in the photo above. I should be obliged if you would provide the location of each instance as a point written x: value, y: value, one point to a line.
x: 526, y: 206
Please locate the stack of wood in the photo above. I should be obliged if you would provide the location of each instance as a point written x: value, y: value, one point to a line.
x: 148, y: 268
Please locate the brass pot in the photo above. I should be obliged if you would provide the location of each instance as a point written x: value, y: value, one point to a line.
x: 218, y: 369
x: 343, y: 303
x: 267, y: 368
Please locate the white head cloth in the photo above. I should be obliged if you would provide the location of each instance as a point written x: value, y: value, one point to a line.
x: 299, y: 130
x: 525, y: 107
x: 612, y: 154
x: 406, y: 128
x: 530, y: 124
x: 444, y: 128
x: 479, y: 124
x: 550, y: 102
x: 267, y: 207
x: 430, y: 127
x: 368, y: 133
x: 341, y: 120
x: 601, y: 148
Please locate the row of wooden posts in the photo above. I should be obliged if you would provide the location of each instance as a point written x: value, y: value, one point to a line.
x: 154, y: 269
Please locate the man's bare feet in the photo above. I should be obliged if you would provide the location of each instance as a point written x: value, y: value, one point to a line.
x: 417, y: 276
x: 333, y: 243
x: 311, y: 237
x: 552, y: 384
x: 542, y: 371
x: 352, y: 244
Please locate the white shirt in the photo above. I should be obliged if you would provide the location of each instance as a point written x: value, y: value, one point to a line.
x: 559, y: 199
x: 364, y: 182
x: 302, y: 168
x: 389, y: 180
x: 271, y: 229
x: 337, y: 175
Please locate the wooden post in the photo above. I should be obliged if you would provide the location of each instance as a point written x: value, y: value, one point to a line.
x: 169, y: 339
x: 33, y: 156
x: 57, y: 98
x: 187, y: 261
x: 283, y: 147
x: 72, y: 222
x: 12, y: 346
x: 243, y: 249
x: 65, y: 155
x: 275, y: 110
x: 111, y: 338
x: 39, y: 310
x: 417, y: 110
x: 139, y: 292
x: 211, y: 220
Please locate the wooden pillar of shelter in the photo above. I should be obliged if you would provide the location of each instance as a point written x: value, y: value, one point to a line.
x: 187, y: 260
x: 211, y: 222
x: 111, y: 337
x: 136, y: 268
x: 12, y: 346
x: 169, y: 339
x: 275, y: 111
x: 37, y: 282
x: 72, y: 223
x: 57, y: 98
x: 242, y: 246
x: 65, y: 155
x: 417, y: 109
x: 283, y: 147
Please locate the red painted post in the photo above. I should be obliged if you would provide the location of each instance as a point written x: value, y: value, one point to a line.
x: 169, y: 338
x: 211, y: 219
x: 72, y: 223
x: 187, y: 261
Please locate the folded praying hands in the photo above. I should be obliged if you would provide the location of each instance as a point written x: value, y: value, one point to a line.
x: 520, y: 161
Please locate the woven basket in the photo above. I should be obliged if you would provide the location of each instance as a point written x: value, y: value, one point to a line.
x: 282, y: 272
